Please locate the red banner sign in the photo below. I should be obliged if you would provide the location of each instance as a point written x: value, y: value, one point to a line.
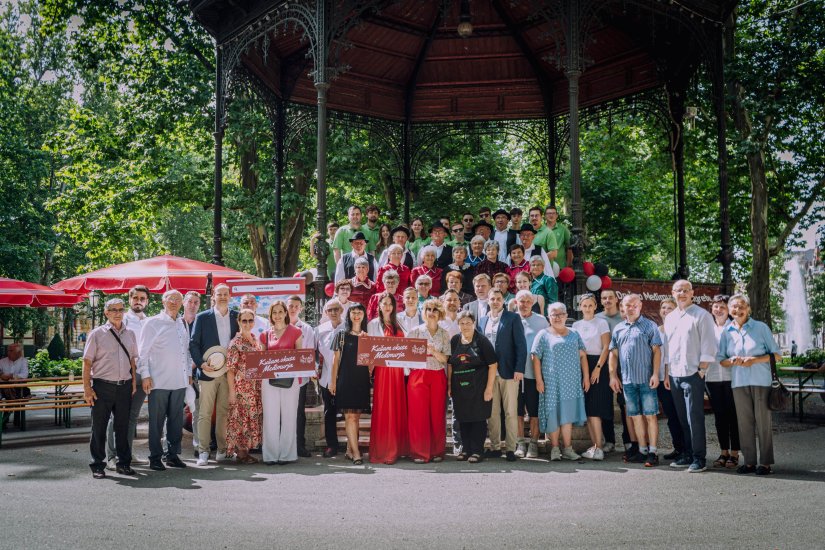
x: 408, y: 353
x: 280, y: 363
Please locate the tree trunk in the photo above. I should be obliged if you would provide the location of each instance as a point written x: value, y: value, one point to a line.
x: 389, y: 196
x: 257, y: 232
x: 293, y: 226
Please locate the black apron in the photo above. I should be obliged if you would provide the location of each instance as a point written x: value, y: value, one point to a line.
x: 468, y: 382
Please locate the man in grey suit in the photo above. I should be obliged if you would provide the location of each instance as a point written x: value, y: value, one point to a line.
x: 213, y: 327
x: 479, y: 307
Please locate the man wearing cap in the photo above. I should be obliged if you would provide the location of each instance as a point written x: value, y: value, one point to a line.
x: 484, y: 229
x: 343, y: 237
x: 399, y: 235
x: 544, y: 237
x: 346, y: 266
x: 214, y: 328
x: 108, y: 386
x: 562, y: 236
x: 164, y: 365
x: 527, y: 236
x: 502, y: 235
x: 443, y: 251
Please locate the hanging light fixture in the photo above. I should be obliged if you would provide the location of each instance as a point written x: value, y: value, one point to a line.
x: 465, y: 27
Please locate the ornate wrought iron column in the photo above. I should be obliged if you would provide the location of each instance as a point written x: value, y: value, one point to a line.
x: 280, y: 135
x: 220, y: 107
x: 551, y: 157
x: 718, y: 75
x: 676, y: 108
x: 321, y: 87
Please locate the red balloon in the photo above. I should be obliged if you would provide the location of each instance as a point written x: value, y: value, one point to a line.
x: 589, y: 269
x: 606, y: 282
x: 299, y: 274
x: 330, y: 289
x: 566, y: 275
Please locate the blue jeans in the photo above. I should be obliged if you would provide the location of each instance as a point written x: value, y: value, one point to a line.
x: 689, y: 399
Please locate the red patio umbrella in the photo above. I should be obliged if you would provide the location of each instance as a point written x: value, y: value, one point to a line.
x: 14, y: 293
x: 157, y: 274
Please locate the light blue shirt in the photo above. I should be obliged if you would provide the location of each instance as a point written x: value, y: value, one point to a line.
x: 752, y: 340
x: 532, y: 326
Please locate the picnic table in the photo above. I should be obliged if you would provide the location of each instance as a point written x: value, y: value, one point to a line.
x: 804, y: 387
x: 59, y: 399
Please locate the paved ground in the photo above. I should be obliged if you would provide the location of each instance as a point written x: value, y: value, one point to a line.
x: 50, y: 500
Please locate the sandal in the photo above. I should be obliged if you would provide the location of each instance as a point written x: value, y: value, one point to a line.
x: 462, y: 456
x: 358, y: 461
x: 474, y: 459
x: 248, y: 459
x: 419, y: 461
x: 721, y: 461
x: 348, y: 457
x: 438, y: 458
x: 732, y: 462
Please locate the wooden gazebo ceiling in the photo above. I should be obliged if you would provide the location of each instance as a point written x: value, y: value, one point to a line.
x: 505, y: 70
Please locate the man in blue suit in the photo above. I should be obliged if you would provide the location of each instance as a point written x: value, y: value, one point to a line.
x: 213, y: 327
x: 505, y: 331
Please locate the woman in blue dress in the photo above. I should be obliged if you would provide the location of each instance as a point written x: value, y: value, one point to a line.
x: 562, y: 372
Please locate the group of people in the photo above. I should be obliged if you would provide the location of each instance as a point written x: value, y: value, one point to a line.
x: 499, y: 347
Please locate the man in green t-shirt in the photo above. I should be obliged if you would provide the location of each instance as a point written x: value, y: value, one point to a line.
x: 340, y: 244
x: 544, y: 237
x: 332, y: 228
x: 372, y: 229
x: 562, y: 234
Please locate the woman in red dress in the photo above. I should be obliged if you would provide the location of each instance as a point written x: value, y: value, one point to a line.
x: 427, y: 267
x: 362, y: 287
x: 395, y: 262
x: 388, y: 428
x: 243, y: 427
x: 390, y: 279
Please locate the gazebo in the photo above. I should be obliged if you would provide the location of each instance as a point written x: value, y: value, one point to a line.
x: 414, y: 71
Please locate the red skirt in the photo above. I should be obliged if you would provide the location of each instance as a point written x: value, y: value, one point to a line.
x: 426, y: 406
x: 388, y: 425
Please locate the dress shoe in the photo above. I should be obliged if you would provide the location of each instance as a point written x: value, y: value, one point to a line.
x: 125, y: 471
x: 491, y: 453
x: 511, y: 456
x: 329, y: 452
x: 156, y: 464
x: 303, y: 453
x: 174, y: 461
x: 672, y: 455
x: 98, y: 474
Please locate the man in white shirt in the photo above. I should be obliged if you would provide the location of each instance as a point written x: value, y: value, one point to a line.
x: 504, y: 236
x: 295, y: 306
x: 323, y: 338
x: 165, y: 368
x: 691, y: 343
x: 479, y: 307
x: 133, y: 320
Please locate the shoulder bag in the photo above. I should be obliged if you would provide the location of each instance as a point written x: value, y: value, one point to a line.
x: 778, y: 395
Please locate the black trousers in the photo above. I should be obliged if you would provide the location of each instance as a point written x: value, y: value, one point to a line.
x: 330, y: 419
x: 116, y: 401
x: 724, y: 413
x: 607, y: 424
x: 473, y: 435
x: 677, y: 434
x: 301, y: 422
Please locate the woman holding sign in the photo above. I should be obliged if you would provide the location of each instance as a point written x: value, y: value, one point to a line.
x: 350, y: 381
x: 243, y: 427
x: 472, y: 373
x: 280, y: 395
x: 427, y: 389
x: 388, y: 427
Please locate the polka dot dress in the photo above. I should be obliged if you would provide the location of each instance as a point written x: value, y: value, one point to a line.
x: 563, y: 399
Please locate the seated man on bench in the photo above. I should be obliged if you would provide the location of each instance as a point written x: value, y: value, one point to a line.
x: 12, y: 368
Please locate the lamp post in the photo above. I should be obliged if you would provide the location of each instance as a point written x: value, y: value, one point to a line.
x: 94, y: 300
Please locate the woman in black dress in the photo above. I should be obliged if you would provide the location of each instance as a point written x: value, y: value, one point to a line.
x: 471, y: 373
x: 350, y: 382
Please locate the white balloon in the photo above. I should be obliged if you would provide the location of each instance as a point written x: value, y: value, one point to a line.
x: 593, y: 283
x: 556, y: 269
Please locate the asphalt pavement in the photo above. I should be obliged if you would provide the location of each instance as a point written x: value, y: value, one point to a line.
x: 49, y: 500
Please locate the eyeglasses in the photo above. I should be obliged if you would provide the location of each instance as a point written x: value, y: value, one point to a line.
x: 557, y: 315
x: 428, y: 309
x: 246, y: 321
x: 121, y: 310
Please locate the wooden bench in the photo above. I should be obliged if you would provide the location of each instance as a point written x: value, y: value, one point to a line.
x: 800, y: 394
x: 57, y: 399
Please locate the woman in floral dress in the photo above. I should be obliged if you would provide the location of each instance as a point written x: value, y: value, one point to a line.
x: 243, y: 430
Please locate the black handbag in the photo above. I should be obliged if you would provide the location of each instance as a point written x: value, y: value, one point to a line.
x: 281, y: 382
x: 778, y: 395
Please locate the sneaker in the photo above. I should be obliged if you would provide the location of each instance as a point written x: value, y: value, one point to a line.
x: 112, y: 465
x: 137, y: 460
x: 555, y: 454
x: 457, y: 450
x: 637, y: 458
x: 532, y: 450
x: 598, y: 455
x: 203, y: 459
x: 511, y: 456
x: 569, y: 454
x: 696, y: 467
x: 590, y: 453
x: 608, y: 447
x: 652, y: 460
x: 220, y: 457
x: 681, y: 462
x: 521, y: 449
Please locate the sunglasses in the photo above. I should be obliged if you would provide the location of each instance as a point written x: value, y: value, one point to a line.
x: 246, y: 321
x: 468, y: 220
x: 458, y: 230
x: 430, y: 309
